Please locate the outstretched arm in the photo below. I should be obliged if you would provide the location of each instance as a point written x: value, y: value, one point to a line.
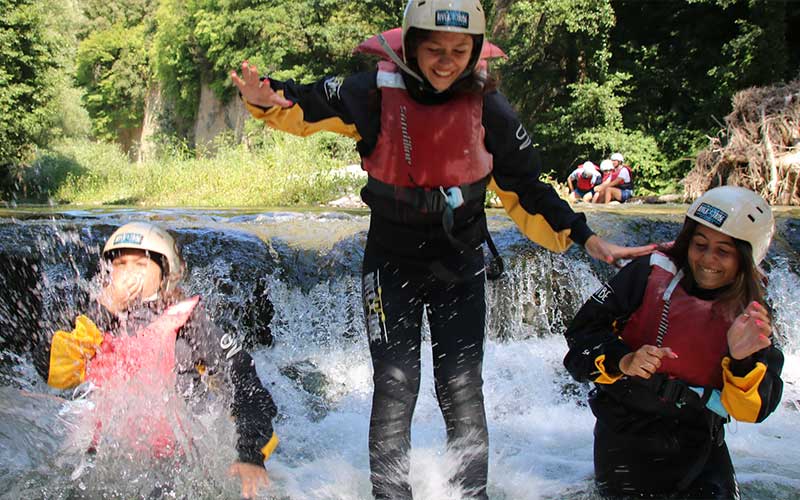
x: 252, y: 407
x: 256, y: 90
x: 611, y: 253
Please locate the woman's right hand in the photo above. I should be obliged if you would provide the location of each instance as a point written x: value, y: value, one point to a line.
x: 644, y: 361
x: 257, y: 91
x: 121, y: 291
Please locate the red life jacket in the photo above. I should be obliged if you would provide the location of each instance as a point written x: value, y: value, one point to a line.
x: 135, y: 380
x: 624, y: 185
x: 585, y: 184
x: 696, y: 330
x: 427, y: 146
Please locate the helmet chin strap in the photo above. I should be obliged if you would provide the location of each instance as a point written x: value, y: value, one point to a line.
x: 396, y: 59
x: 403, y: 66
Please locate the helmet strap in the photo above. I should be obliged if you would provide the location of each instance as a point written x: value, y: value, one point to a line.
x: 396, y: 58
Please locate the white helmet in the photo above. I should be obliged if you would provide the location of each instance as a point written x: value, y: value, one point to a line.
x: 458, y: 16
x: 617, y: 157
x: 606, y: 165
x: 589, y: 168
x: 153, y: 239
x: 739, y: 213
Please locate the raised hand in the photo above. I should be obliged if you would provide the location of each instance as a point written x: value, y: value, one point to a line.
x: 750, y: 332
x: 645, y: 361
x: 257, y: 91
x: 121, y: 291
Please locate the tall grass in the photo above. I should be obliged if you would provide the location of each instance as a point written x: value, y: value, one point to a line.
x: 280, y: 171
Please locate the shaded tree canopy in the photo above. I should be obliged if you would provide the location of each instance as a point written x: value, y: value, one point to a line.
x: 651, y: 79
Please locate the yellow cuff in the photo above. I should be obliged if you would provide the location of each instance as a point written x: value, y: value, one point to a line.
x: 270, y: 446
x: 292, y: 121
x: 69, y: 352
x: 534, y: 226
x: 740, y: 394
x: 604, y: 377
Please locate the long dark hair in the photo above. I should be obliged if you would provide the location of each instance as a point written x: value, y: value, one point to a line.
x: 475, y: 83
x: 746, y: 288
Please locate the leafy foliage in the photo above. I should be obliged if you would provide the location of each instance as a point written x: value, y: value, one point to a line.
x: 112, y: 68
x: 28, y: 55
x: 645, y: 77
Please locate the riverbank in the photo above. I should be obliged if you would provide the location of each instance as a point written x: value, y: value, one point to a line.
x: 274, y: 170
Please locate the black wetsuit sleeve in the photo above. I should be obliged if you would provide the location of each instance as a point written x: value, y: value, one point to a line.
x: 592, y: 336
x: 334, y: 104
x: 252, y: 406
x: 517, y: 167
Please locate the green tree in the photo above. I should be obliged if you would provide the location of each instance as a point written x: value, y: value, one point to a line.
x: 203, y: 40
x: 29, y: 54
x: 112, y: 67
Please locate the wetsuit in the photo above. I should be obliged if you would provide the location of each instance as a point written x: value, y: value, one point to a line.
x: 412, y: 264
x: 657, y: 437
x: 201, y: 350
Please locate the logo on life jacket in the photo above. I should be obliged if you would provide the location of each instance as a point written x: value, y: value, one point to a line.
x: 712, y: 215
x: 406, y: 135
x: 455, y: 18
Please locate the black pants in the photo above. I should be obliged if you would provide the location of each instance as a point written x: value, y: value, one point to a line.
x: 394, y: 300
x: 635, y: 466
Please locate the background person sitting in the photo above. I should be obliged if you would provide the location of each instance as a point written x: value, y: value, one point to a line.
x: 619, y: 186
x: 606, y: 172
x: 582, y: 181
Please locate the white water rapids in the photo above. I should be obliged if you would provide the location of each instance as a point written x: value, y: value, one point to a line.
x: 319, y: 373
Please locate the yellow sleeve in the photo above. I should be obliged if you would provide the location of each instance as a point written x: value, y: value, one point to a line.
x: 534, y: 226
x: 604, y: 377
x: 292, y: 120
x: 740, y: 395
x: 69, y: 352
x: 270, y: 446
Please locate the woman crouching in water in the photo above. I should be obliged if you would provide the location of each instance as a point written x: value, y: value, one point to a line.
x: 677, y: 344
x: 144, y: 346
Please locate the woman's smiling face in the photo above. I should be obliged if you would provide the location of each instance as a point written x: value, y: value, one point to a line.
x: 713, y: 258
x: 443, y: 57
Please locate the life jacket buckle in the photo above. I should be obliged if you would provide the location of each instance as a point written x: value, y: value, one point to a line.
x: 453, y: 196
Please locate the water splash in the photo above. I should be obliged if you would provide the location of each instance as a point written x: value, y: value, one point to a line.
x: 320, y: 374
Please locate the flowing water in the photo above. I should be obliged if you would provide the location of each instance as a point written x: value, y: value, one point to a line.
x: 291, y: 280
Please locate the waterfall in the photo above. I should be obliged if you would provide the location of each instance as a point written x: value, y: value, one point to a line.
x: 289, y: 282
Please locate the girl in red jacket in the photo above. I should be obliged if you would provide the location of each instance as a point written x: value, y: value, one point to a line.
x: 678, y: 344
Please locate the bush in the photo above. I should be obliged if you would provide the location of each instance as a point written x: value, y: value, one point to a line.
x: 283, y: 170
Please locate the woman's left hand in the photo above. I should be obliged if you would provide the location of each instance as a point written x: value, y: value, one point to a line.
x: 610, y: 253
x: 750, y: 332
x: 252, y: 476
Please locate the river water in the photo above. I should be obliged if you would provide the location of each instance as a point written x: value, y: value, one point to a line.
x: 304, y: 266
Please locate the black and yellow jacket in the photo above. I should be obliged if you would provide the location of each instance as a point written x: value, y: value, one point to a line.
x: 201, y: 350
x: 351, y: 107
x: 752, y: 387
